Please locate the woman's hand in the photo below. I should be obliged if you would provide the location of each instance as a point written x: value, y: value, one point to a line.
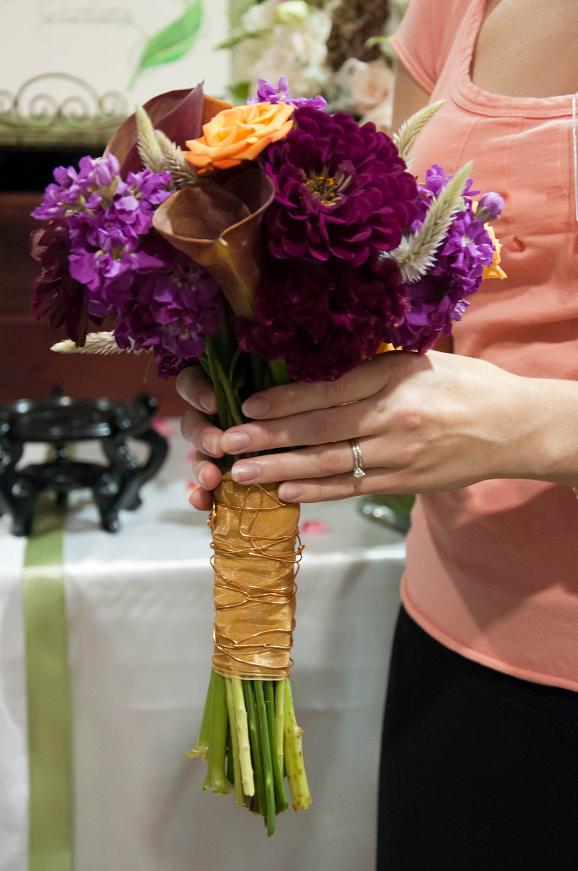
x: 424, y: 423
x: 195, y: 388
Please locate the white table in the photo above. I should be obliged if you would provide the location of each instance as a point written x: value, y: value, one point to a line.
x: 140, y: 614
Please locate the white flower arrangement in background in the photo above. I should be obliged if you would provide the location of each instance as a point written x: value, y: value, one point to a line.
x: 337, y: 48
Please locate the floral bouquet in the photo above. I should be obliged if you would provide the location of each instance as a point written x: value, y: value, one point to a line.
x: 265, y: 242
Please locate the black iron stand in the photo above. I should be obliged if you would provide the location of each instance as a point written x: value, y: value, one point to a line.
x: 60, y: 422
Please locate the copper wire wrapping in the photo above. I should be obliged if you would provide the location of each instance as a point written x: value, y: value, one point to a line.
x: 256, y: 554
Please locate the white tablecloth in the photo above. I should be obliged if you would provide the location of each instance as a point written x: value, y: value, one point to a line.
x: 140, y: 644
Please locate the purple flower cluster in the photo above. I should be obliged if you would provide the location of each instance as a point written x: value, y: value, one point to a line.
x: 323, y: 319
x: 268, y: 93
x: 169, y: 312
x: 440, y: 297
x: 342, y: 191
x: 100, y: 257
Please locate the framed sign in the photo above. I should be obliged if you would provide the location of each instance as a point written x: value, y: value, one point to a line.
x: 73, y: 69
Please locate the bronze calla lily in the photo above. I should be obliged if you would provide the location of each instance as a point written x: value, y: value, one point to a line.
x: 217, y: 224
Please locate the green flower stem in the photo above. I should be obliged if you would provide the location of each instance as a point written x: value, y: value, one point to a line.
x: 242, y: 730
x: 216, y: 779
x: 229, y: 763
x: 300, y: 795
x: 279, y: 374
x: 230, y: 398
x: 255, y: 744
x: 263, y: 728
x: 237, y: 778
x: 279, y: 723
x: 201, y: 748
x: 281, y: 803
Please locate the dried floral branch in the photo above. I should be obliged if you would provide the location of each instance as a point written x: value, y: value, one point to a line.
x: 102, y: 343
x: 174, y: 161
x: 416, y: 253
x: 410, y: 129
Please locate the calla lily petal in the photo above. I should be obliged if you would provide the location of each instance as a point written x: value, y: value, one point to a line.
x: 179, y: 114
x: 218, y: 226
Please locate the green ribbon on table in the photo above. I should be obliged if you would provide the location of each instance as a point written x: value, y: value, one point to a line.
x: 50, y: 836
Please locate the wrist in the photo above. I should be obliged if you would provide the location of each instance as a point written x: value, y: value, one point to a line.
x: 552, y: 455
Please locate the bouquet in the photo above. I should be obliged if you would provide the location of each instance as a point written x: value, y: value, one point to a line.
x: 265, y: 242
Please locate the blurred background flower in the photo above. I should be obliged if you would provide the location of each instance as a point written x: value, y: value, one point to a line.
x: 336, y: 48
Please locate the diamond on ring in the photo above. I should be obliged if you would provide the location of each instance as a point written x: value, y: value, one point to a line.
x: 358, y: 470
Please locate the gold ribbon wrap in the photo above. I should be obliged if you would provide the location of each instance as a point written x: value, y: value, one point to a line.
x: 256, y: 555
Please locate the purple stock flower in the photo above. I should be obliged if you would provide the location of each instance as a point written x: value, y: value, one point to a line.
x: 323, y: 319
x: 490, y: 207
x: 78, y: 190
x: 268, y: 93
x: 54, y: 292
x: 342, y: 191
x: 440, y: 297
x: 170, y: 311
x: 100, y: 257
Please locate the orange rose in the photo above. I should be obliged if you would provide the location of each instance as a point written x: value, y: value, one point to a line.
x: 240, y: 133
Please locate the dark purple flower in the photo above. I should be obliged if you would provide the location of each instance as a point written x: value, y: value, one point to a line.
x: 268, y: 93
x: 170, y: 311
x: 54, y: 292
x: 322, y: 319
x: 342, y: 191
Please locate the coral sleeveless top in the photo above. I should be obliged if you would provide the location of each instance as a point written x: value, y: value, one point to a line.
x: 492, y: 569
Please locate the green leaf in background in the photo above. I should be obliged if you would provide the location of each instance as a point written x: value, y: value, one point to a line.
x: 173, y: 42
x: 237, y: 9
x: 241, y: 91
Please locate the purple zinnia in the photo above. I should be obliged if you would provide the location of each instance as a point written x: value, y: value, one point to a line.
x: 322, y: 319
x: 268, y: 93
x: 342, y: 190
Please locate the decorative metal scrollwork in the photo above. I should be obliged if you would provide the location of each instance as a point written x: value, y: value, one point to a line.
x: 58, y: 109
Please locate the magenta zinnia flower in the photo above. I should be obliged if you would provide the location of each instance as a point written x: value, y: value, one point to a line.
x: 322, y: 319
x: 342, y: 191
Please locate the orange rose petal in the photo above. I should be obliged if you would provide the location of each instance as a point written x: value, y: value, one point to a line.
x: 238, y: 134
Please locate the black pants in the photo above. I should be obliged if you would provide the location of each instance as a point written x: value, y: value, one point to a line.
x: 479, y: 770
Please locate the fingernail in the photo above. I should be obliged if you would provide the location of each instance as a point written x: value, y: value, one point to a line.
x: 209, y: 444
x: 235, y: 441
x: 242, y: 472
x: 207, y: 401
x: 255, y: 407
x: 201, y: 478
x: 289, y: 492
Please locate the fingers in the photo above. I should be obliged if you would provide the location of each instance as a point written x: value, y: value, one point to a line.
x: 311, y: 428
x: 205, y: 437
x: 201, y: 499
x: 318, y: 462
x: 360, y: 383
x: 195, y: 388
x: 343, y: 486
x: 207, y: 474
